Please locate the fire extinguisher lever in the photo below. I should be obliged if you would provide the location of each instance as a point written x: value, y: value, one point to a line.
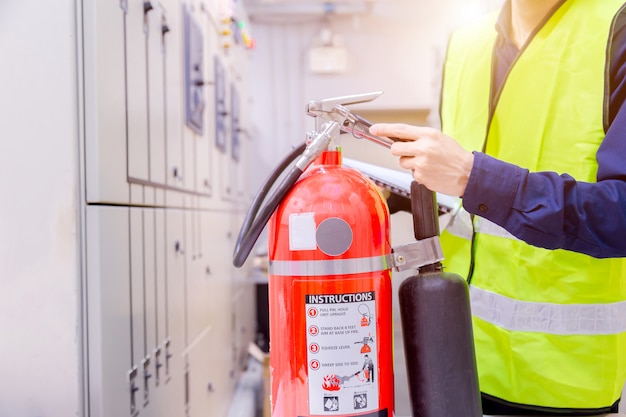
x: 334, y: 109
x: 319, y: 107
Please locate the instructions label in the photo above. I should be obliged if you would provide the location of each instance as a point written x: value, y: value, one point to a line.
x: 341, y: 353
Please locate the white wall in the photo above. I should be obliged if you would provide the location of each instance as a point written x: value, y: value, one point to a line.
x: 39, y: 262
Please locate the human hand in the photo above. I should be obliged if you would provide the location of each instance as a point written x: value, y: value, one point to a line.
x: 436, y: 160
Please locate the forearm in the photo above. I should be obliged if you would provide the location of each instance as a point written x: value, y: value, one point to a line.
x: 549, y: 210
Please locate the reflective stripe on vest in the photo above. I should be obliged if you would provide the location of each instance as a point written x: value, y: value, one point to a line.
x: 563, y: 319
x: 460, y: 224
x: 330, y: 267
x: 487, y: 227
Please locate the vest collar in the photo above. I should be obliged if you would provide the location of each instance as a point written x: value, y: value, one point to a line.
x: 503, y: 24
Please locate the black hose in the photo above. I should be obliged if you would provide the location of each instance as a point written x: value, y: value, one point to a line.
x: 266, y: 187
x: 254, y: 223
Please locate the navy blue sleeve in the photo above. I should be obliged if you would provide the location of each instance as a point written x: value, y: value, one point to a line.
x: 553, y: 211
x: 549, y: 210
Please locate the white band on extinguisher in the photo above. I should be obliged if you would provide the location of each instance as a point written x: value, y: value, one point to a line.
x: 330, y: 267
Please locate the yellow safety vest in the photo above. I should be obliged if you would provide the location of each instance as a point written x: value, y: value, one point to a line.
x: 549, y: 326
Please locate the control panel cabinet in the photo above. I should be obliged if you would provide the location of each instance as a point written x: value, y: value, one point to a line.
x: 169, y: 318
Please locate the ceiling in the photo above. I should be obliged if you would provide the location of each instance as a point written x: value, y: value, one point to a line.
x: 269, y: 8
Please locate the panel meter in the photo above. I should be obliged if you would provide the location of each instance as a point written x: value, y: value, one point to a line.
x: 194, y: 73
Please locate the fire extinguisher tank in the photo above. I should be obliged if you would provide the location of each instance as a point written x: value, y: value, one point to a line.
x: 330, y: 296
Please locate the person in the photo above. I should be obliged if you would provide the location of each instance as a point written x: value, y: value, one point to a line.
x: 368, y: 368
x: 531, y: 91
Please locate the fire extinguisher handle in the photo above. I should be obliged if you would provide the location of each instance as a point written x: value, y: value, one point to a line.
x: 425, y: 212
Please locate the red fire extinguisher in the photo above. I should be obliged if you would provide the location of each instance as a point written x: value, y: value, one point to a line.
x: 329, y: 285
x: 329, y: 253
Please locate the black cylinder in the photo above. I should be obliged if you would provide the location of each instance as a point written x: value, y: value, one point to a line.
x: 437, y: 329
x: 439, y: 346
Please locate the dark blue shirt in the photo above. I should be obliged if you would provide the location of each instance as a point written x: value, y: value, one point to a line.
x: 553, y: 210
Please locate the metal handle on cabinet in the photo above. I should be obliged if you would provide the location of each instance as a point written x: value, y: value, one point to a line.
x: 147, y: 6
x: 178, y: 247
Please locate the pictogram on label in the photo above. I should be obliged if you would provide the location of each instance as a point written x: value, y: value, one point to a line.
x: 341, y: 353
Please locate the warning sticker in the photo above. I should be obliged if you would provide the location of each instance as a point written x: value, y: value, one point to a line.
x: 341, y: 352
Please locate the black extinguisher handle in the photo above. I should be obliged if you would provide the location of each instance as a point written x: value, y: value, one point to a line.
x: 425, y: 218
x: 425, y: 212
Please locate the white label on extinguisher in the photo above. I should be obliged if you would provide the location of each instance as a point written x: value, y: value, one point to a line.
x: 341, y: 353
x: 302, y: 231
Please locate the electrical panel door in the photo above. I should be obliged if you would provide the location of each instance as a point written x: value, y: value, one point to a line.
x: 105, y: 103
x: 113, y: 379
